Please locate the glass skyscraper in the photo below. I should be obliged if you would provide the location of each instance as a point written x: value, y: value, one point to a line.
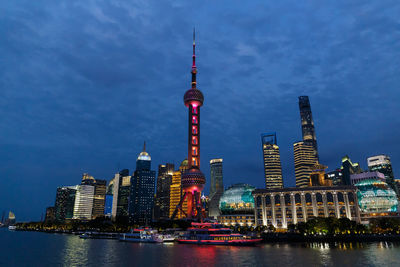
x: 272, y: 161
x: 216, y: 187
x: 141, y: 199
x: 64, y: 204
x: 164, y: 179
x: 382, y: 164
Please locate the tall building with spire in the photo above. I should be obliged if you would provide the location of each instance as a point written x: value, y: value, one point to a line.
x: 193, y: 179
x: 307, y: 124
x: 141, y: 198
x: 272, y: 161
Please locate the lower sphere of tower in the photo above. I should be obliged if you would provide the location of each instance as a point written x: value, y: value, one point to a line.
x: 193, y: 180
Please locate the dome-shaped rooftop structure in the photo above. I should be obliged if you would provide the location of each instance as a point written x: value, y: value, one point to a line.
x: 193, y: 179
x: 376, y: 196
x: 237, y: 199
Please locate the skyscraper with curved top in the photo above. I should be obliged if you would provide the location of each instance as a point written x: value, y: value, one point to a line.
x: 193, y: 179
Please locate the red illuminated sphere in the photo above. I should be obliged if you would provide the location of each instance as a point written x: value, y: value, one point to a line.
x: 193, y: 96
x: 193, y: 179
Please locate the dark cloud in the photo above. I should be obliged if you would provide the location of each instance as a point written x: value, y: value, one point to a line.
x: 84, y: 83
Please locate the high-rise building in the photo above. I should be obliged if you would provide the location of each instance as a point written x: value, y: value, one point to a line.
x: 349, y: 168
x: 307, y: 124
x: 141, y: 199
x: 64, y: 204
x: 193, y: 179
x: 164, y: 179
x: 175, y: 194
x: 304, y: 160
x: 83, y: 202
x: 216, y: 187
x: 382, y: 164
x: 272, y: 161
x: 120, y: 185
x: 99, y: 198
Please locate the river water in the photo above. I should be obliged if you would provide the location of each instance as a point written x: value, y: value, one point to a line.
x: 41, y: 249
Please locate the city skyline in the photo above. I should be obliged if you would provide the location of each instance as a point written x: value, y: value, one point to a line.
x: 80, y: 115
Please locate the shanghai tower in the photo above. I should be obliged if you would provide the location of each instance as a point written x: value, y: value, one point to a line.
x: 307, y: 124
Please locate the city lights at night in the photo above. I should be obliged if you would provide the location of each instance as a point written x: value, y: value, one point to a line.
x: 102, y: 163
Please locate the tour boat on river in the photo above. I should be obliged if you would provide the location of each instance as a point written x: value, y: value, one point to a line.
x: 215, y: 234
x: 141, y: 236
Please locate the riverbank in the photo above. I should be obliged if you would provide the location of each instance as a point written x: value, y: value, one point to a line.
x: 295, y: 237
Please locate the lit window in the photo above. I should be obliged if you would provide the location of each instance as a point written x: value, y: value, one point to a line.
x: 194, y: 152
x: 194, y: 140
x: 194, y: 130
x: 194, y: 110
x: 194, y: 119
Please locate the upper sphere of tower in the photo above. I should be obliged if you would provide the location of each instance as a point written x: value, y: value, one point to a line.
x: 193, y: 96
x: 144, y: 156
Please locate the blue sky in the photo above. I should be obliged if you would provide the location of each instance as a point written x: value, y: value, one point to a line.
x: 84, y: 83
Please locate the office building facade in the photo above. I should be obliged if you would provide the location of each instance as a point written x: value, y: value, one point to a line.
x: 304, y: 161
x: 216, y: 187
x: 382, y: 164
x: 349, y: 168
x: 64, y: 204
x: 83, y: 202
x: 307, y: 124
x: 164, y: 180
x: 141, y: 198
x: 176, y: 191
x: 272, y: 161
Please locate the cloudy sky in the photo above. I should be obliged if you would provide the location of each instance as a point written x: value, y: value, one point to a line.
x: 84, y: 83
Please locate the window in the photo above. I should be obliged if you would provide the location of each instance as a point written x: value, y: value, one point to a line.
x: 194, y: 109
x: 319, y: 199
x: 194, y: 140
x: 194, y: 151
x: 194, y: 130
x: 267, y: 200
x: 308, y: 199
x: 297, y: 199
x: 329, y: 198
x: 351, y: 198
x: 277, y: 200
x: 194, y: 120
x: 340, y: 198
x: 287, y: 200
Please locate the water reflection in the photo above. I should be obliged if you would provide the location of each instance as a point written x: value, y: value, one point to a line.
x: 75, y: 251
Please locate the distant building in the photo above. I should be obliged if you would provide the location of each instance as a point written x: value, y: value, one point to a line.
x: 304, y: 160
x: 142, y: 190
x: 359, y: 177
x: 83, y: 202
x: 382, y: 164
x: 99, y: 198
x: 11, y: 218
x: 64, y: 204
x: 318, y: 176
x: 272, y: 161
x: 307, y: 124
x: 108, y: 205
x: 376, y: 199
x: 349, y: 168
x: 50, y: 215
x: 176, y: 191
x: 216, y: 187
x: 335, y: 176
x: 280, y: 208
x: 120, y: 184
x: 237, y: 205
x: 164, y: 180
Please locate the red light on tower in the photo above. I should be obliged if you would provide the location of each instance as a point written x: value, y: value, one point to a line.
x: 193, y: 179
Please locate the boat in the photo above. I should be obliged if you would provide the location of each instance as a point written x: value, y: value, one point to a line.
x: 12, y: 227
x: 99, y: 235
x: 141, y: 236
x: 215, y: 234
x: 166, y: 238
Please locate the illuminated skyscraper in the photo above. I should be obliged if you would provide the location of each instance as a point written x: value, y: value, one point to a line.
x: 216, y: 187
x: 83, y: 202
x: 193, y: 179
x: 99, y: 198
x: 164, y: 179
x: 272, y: 161
x: 176, y: 191
x: 141, y: 198
x: 64, y: 204
x: 307, y: 123
x: 120, y: 188
x: 304, y: 160
x: 382, y: 164
x: 349, y: 168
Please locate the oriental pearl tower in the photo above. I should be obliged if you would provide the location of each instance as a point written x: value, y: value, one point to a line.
x: 193, y: 179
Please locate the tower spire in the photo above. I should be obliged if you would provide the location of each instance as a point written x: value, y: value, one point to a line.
x: 144, y: 146
x: 194, y: 69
